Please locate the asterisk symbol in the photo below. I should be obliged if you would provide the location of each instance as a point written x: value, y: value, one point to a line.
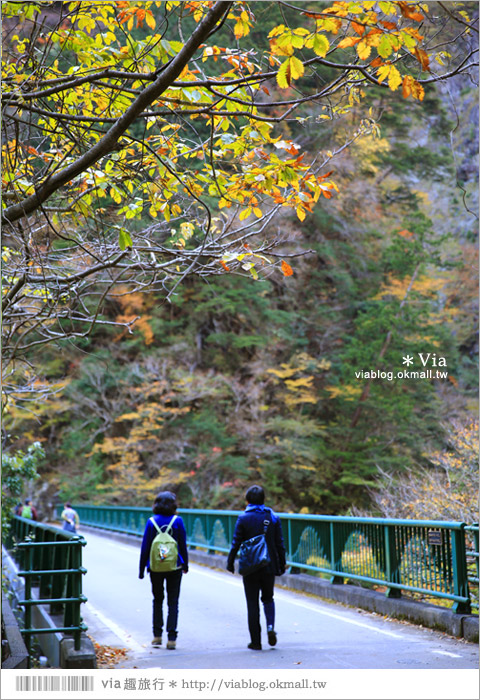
x: 408, y: 360
x: 173, y: 684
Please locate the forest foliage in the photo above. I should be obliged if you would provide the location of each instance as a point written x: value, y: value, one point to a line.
x: 297, y: 206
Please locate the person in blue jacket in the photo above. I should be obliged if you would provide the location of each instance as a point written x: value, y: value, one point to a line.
x: 250, y: 524
x: 164, y: 508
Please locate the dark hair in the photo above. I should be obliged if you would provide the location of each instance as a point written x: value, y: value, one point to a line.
x: 165, y: 503
x: 255, y: 495
x: 27, y: 501
x: 68, y: 505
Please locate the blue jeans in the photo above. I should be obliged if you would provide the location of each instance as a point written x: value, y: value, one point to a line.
x: 263, y: 581
x: 172, y: 580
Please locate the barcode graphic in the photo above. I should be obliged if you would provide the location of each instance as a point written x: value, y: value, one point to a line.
x: 51, y: 683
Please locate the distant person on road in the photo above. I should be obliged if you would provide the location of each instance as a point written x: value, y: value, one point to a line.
x: 28, y: 510
x: 70, y: 518
x: 251, y: 523
x: 164, y: 515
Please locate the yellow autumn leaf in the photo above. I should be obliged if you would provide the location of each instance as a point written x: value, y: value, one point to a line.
x: 287, y: 371
x: 304, y: 467
x: 283, y: 75
x: 394, y: 78
x: 297, y: 383
x: 245, y: 213
x: 363, y: 50
x: 383, y: 72
x: 296, y: 67
x: 320, y: 45
x: 149, y: 19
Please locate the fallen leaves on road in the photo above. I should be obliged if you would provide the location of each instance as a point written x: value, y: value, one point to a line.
x: 108, y: 657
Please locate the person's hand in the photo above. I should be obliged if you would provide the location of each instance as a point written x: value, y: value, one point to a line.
x: 231, y: 568
x: 185, y: 571
x: 141, y: 575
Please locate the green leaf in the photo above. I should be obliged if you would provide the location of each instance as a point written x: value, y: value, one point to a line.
x: 124, y: 240
x: 385, y: 47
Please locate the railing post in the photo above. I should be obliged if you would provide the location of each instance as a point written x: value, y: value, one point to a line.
x: 58, y: 581
x: 210, y: 545
x: 391, y: 562
x: 290, y: 552
x: 57, y: 564
x: 336, y: 555
x: 28, y: 566
x: 474, y: 552
x: 76, y: 592
x: 460, y: 575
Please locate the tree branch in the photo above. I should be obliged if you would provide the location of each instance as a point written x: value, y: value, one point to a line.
x: 108, y: 142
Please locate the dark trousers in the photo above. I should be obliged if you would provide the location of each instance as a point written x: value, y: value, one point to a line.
x: 263, y: 582
x: 172, y: 581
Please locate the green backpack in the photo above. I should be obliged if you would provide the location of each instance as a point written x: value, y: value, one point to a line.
x: 164, y: 549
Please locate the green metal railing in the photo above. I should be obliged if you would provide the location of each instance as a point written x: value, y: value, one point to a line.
x: 427, y: 557
x: 472, y: 543
x: 50, y: 559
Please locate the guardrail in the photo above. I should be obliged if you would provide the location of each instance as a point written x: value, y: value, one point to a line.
x: 472, y: 542
x: 421, y: 556
x: 51, y: 559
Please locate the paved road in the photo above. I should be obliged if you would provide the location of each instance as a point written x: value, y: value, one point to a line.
x: 312, y: 634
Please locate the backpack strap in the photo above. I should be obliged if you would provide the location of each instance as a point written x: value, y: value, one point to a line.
x: 266, y: 523
x: 169, y: 526
x: 160, y: 529
x: 152, y: 520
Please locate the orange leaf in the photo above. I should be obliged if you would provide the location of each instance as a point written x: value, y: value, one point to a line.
x: 286, y: 269
x: 348, y: 41
x: 423, y: 58
x: 407, y: 86
x: 359, y: 28
x: 410, y: 12
x: 224, y: 265
x: 388, y: 25
x: 412, y: 87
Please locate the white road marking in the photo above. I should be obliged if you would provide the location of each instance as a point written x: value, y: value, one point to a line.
x: 447, y: 653
x: 122, y: 634
x: 286, y: 598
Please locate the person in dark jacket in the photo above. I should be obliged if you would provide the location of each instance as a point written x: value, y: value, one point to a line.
x: 164, y: 509
x: 249, y: 524
x: 28, y: 510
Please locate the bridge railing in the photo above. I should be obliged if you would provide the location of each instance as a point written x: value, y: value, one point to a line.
x: 50, y: 559
x: 472, y: 539
x: 421, y: 556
